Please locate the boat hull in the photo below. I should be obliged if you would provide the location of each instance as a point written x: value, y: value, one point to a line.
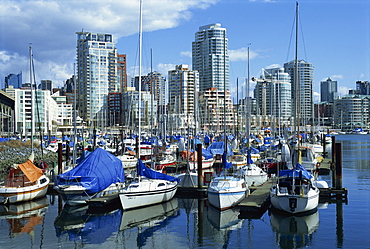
x: 147, y: 192
x: 19, y: 194
x: 226, y: 192
x: 76, y: 195
x: 295, y: 204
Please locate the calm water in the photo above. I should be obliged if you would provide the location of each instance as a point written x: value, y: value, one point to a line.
x: 187, y: 223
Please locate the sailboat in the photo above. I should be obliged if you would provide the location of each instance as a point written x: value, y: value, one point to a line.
x: 295, y: 191
x: 253, y: 175
x: 99, y: 174
x: 25, y: 181
x: 150, y: 187
x: 226, y: 191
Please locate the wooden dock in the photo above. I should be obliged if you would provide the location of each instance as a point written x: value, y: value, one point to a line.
x: 257, y: 202
x: 103, y: 203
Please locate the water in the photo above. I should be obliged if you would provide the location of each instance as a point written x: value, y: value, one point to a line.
x: 188, y: 223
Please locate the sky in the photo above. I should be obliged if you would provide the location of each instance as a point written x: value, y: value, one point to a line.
x: 334, y: 35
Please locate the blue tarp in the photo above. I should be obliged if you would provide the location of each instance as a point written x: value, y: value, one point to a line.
x: 225, y: 163
x: 296, y: 172
x: 149, y: 173
x: 218, y: 148
x: 99, y: 170
x: 206, y: 154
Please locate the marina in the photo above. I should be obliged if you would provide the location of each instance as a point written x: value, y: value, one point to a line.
x: 131, y: 229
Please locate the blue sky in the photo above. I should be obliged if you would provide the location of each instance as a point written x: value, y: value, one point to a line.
x: 334, y: 35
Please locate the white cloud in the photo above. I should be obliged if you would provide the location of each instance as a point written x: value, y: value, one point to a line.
x: 241, y: 54
x: 51, y: 25
x: 164, y: 68
x: 316, y: 97
x: 343, y: 90
x: 186, y: 54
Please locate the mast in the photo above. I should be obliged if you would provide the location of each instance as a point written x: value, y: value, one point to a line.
x: 32, y: 97
x: 248, y: 109
x: 296, y: 78
x: 140, y: 54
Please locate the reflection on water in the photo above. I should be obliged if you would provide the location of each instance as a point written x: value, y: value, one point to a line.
x: 25, y: 216
x: 80, y: 225
x: 294, y: 231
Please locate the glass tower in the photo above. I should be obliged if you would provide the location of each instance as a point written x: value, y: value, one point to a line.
x: 96, y: 75
x: 210, y: 57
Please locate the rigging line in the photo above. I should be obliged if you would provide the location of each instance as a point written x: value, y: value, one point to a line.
x: 291, y: 37
x: 302, y: 34
x: 37, y: 104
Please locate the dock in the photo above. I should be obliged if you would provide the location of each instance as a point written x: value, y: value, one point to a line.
x: 257, y: 202
x: 103, y: 203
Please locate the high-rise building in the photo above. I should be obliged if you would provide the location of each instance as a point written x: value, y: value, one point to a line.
x: 363, y: 87
x: 121, y: 72
x: 305, y: 97
x: 210, y: 57
x: 183, y: 90
x: 273, y: 96
x: 13, y: 80
x: 46, y: 85
x: 96, y: 76
x: 328, y: 90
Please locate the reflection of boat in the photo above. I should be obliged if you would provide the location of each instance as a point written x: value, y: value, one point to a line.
x: 293, y: 231
x: 79, y: 224
x: 155, y: 188
x: 223, y: 219
x: 24, y: 182
x: 101, y: 173
x: 149, y: 215
x: 23, y: 217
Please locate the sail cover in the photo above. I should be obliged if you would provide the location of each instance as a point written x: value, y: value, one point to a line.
x: 99, y: 170
x: 152, y: 174
x: 299, y: 171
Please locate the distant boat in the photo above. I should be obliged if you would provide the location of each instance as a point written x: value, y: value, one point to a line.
x: 359, y: 131
x: 151, y: 187
x: 99, y: 174
x: 253, y: 175
x: 24, y: 182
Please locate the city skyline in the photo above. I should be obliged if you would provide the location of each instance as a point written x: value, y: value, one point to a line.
x: 335, y: 36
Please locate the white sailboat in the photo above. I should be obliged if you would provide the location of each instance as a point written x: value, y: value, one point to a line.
x: 150, y: 187
x: 295, y: 191
x: 226, y: 191
x: 25, y: 181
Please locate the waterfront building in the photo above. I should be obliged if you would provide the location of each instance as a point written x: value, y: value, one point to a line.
x: 351, y: 112
x: 45, y: 116
x: 130, y: 108
x: 46, y: 85
x: 363, y: 87
x: 210, y: 57
x: 6, y: 113
x: 96, y: 76
x: 213, y: 115
x: 121, y: 72
x: 328, y: 90
x: 273, y: 97
x: 13, y: 80
x: 183, y: 88
x: 305, y: 81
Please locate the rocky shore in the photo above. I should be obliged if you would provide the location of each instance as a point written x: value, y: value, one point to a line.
x: 16, y: 152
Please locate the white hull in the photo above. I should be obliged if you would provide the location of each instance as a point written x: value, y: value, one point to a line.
x: 18, y: 194
x: 226, y: 192
x: 206, y: 164
x: 303, y: 202
x: 76, y: 195
x: 147, y: 192
x: 254, y: 175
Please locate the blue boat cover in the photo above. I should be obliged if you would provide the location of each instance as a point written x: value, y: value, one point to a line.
x: 218, y: 148
x: 299, y: 170
x: 99, y: 170
x: 152, y: 174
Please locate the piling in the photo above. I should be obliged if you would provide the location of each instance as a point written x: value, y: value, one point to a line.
x: 200, y: 173
x: 60, y: 158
